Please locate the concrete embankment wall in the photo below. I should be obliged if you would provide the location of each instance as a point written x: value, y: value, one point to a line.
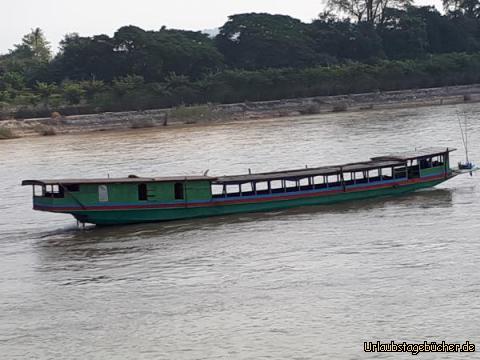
x: 242, y: 111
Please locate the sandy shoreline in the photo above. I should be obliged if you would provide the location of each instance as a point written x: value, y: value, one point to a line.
x: 206, y: 114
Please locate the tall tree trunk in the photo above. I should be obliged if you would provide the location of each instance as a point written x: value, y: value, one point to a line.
x: 370, y: 11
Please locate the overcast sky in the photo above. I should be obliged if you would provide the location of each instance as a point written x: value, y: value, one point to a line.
x: 91, y: 17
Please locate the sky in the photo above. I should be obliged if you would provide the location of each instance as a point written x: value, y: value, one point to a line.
x: 92, y: 17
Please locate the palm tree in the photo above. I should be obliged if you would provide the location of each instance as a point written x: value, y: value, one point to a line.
x: 38, y: 44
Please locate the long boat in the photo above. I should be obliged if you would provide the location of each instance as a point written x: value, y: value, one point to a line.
x: 134, y: 199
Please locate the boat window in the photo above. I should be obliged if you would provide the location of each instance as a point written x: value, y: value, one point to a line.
x: 425, y: 163
x: 413, y: 172
x: 387, y: 173
x: 233, y: 190
x: 399, y: 172
x: 332, y: 180
x: 276, y: 186
x: 261, y: 186
x: 102, y: 193
x: 304, y: 182
x: 38, y: 190
x: 142, y: 192
x: 72, y: 187
x: 347, y: 177
x: 179, y: 195
x: 359, y: 177
x: 247, y: 189
x: 291, y: 185
x: 437, y: 161
x: 217, y: 189
x: 373, y: 175
x: 55, y: 191
x: 319, y: 180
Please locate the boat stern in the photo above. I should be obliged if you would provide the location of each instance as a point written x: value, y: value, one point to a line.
x: 50, y: 197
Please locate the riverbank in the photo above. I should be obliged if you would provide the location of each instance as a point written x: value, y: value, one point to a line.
x: 190, y: 116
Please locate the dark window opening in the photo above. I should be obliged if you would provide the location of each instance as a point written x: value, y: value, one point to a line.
x: 399, y: 172
x: 413, y: 172
x: 72, y: 187
x: 142, y: 192
x: 425, y: 163
x: 179, y: 191
x: 54, y: 191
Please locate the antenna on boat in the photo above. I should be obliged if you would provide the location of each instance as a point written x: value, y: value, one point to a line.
x: 206, y: 172
x: 464, y: 132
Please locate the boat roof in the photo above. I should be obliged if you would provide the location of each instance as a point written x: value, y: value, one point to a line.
x: 395, y: 159
x: 306, y: 172
x: 417, y: 153
x: 130, y: 179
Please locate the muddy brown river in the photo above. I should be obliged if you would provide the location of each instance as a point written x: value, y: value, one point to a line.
x: 307, y: 283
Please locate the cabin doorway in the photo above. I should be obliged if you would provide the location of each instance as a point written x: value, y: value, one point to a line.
x: 179, y: 192
x: 102, y: 193
x: 414, y: 169
x: 142, y: 192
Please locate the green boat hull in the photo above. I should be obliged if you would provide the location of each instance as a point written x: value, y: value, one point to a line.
x: 130, y: 216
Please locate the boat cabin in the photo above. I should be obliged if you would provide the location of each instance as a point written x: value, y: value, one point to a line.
x: 90, y: 192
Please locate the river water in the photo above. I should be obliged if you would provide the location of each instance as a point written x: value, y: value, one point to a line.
x: 308, y: 283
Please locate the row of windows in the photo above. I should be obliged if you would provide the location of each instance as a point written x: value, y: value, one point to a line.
x: 309, y: 183
x: 428, y: 162
x: 57, y: 191
x: 251, y: 188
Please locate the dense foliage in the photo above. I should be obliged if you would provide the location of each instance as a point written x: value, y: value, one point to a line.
x: 390, y: 45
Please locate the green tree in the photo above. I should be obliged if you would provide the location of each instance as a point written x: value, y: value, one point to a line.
x: 445, y: 33
x: 342, y: 39
x: 370, y: 11
x: 470, y: 8
x: 72, y: 92
x: 155, y: 54
x: 253, y: 41
x: 38, y: 45
x: 82, y: 58
x: 92, y: 87
x: 11, y: 80
x: 125, y: 84
x: 404, y: 34
x: 27, y: 99
x: 45, y: 90
x: 30, y: 58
